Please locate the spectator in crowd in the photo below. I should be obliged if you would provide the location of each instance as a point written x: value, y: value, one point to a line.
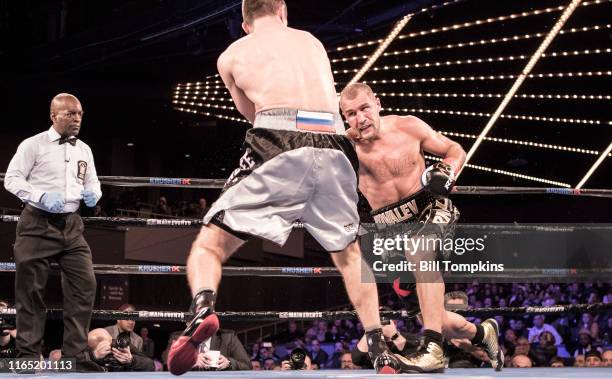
x: 267, y: 350
x: 588, y: 323
x: 256, y: 365
x: 162, y: 207
x: 544, y: 350
x: 232, y: 355
x: 593, y: 358
x: 346, y: 361
x: 339, y: 349
x: 269, y: 364
x: 350, y: 332
x: 521, y: 361
x: 318, y: 355
x: 322, y: 331
x: 291, y: 334
x: 333, y: 335
x: 540, y: 326
x: 255, y: 351
x: 148, y: 345
x: 126, y: 326
x: 524, y: 348
x: 455, y: 300
x: 557, y: 362
x: 607, y: 358
x: 579, y: 360
x: 585, y: 343
x: 518, y: 325
x: 114, y: 358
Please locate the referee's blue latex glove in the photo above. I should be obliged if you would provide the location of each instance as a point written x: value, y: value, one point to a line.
x: 90, y: 198
x: 53, y: 201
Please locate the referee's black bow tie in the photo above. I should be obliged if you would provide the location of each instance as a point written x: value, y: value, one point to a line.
x: 70, y: 140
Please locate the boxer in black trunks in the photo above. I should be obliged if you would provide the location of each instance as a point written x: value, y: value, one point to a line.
x: 394, y: 180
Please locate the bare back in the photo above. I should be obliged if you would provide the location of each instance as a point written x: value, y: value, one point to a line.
x: 282, y: 67
x: 390, y: 166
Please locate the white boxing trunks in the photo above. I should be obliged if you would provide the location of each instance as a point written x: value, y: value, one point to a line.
x: 297, y: 166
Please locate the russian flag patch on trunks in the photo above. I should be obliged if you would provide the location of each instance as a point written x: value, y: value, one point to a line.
x: 315, y: 121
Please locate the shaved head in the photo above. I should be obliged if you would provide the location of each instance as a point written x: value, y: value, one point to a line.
x: 59, y: 101
x: 66, y: 114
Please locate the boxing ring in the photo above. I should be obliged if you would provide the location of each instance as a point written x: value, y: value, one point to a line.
x: 305, y: 272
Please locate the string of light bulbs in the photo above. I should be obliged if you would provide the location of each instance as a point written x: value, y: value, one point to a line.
x: 594, y: 167
x: 523, y: 143
x: 189, y: 96
x: 508, y: 116
x: 468, y: 24
x: 462, y: 78
x: 489, y: 77
x: 422, y: 10
x: 479, y: 60
x: 567, y: 12
x: 516, y: 37
x: 542, y: 96
x: 507, y: 173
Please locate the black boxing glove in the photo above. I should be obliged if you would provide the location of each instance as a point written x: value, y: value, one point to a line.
x: 438, y: 178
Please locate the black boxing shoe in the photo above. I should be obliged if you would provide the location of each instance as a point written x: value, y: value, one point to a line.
x: 205, y: 323
x: 383, y: 360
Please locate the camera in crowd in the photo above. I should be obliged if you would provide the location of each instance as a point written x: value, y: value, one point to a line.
x: 297, y: 359
x: 122, y: 341
x: 110, y: 362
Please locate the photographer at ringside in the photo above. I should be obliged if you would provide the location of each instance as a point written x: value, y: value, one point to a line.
x: 298, y: 360
x: 8, y: 334
x: 117, y: 354
x: 126, y: 326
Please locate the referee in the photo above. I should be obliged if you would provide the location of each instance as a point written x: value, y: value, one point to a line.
x: 51, y: 172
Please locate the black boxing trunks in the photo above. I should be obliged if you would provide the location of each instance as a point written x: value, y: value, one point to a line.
x: 421, y: 213
x: 297, y: 166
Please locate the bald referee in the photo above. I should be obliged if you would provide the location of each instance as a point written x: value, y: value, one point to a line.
x: 51, y: 172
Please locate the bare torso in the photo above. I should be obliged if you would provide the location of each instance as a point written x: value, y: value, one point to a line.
x: 390, y: 166
x: 281, y: 67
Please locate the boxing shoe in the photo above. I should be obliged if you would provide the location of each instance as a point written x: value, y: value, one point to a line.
x: 205, y: 323
x: 383, y: 360
x: 428, y: 359
x: 490, y: 343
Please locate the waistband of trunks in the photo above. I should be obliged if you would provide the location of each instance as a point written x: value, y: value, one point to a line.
x: 405, y: 210
x: 300, y: 120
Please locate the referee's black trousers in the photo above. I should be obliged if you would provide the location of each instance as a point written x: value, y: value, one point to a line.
x: 41, y: 239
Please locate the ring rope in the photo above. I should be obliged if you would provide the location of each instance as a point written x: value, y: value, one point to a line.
x: 320, y: 272
x: 10, y: 313
x: 139, y: 181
